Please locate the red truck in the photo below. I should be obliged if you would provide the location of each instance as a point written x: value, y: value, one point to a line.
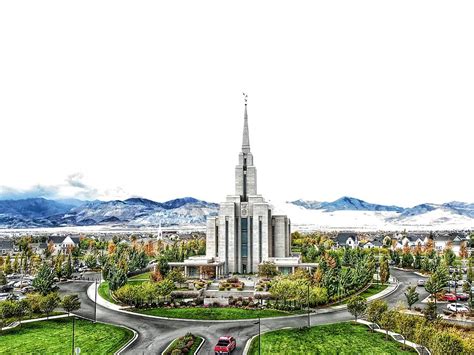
x: 225, y: 345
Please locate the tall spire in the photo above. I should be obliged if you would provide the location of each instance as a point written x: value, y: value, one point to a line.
x: 245, y: 137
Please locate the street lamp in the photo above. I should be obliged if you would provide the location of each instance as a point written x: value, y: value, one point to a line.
x: 73, y: 318
x: 259, y: 337
x: 309, y: 317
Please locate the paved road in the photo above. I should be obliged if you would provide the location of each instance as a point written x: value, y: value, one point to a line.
x: 155, y: 334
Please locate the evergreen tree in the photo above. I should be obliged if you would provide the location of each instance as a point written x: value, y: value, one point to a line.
x: 16, y: 264
x: 7, y: 267
x: 3, y: 279
x: 411, y: 295
x: 44, y: 280
x: 68, y: 269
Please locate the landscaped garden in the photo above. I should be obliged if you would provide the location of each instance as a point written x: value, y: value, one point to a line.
x: 212, y: 313
x: 55, y: 337
x: 341, y: 338
x: 185, y: 345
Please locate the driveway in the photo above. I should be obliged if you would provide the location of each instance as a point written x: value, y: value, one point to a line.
x: 155, y: 334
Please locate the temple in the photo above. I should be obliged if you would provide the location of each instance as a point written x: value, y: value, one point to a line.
x: 245, y: 233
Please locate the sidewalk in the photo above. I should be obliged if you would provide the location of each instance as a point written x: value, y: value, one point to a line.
x: 101, y: 301
x: 16, y: 324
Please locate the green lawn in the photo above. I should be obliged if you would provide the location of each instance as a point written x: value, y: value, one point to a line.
x: 341, y: 338
x: 373, y: 289
x: 105, y: 292
x: 212, y: 313
x: 144, y: 276
x: 55, y: 337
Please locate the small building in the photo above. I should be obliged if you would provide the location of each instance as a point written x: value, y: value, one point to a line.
x: 346, y: 240
x: 7, y: 246
x: 63, y: 244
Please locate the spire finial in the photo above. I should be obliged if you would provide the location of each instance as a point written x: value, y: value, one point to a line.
x: 245, y: 138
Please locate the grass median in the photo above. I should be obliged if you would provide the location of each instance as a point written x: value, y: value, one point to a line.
x: 213, y: 313
x: 340, y: 338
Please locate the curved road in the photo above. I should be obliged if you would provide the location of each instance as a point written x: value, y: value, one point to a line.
x: 155, y: 334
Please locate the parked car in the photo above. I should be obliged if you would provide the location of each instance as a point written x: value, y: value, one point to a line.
x: 21, y: 284
x: 225, y: 345
x: 462, y: 296
x: 457, y: 307
x: 27, y: 289
x: 449, y: 297
x: 421, y: 282
x: 4, y: 296
x: 6, y: 288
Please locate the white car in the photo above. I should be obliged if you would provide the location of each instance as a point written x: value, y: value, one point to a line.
x: 457, y: 307
x: 21, y: 284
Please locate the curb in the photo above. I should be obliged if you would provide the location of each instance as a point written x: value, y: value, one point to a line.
x: 127, y: 344
x: 197, y: 350
x: 114, y: 307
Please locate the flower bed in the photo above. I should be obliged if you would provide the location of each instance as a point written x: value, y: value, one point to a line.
x: 185, y: 345
x: 233, y: 282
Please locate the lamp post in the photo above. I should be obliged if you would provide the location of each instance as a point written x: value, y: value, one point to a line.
x: 309, y: 317
x: 259, y: 338
x: 73, y: 318
x: 95, y: 303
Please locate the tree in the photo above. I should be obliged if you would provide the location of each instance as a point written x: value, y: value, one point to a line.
x: 411, y: 296
x: 449, y: 256
x: 384, y: 270
x: 388, y: 321
x: 7, y: 268
x: 49, y: 302
x: 117, y: 278
x: 68, y: 269
x: 3, y: 279
x: 44, y: 280
x: 463, y: 251
x: 91, y: 261
x: 267, y: 269
x: 16, y: 264
x: 70, y: 303
x: 430, y: 311
x: 375, y: 310
x: 357, y: 306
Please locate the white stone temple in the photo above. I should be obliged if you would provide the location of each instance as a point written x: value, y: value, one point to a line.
x: 245, y: 233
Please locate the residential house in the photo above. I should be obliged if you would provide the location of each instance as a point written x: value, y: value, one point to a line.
x: 346, y: 239
x: 63, y: 244
x: 7, y: 246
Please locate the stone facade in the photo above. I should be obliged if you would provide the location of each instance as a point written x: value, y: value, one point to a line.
x: 246, y: 233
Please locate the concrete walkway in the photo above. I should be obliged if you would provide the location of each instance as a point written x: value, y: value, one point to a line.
x: 420, y: 349
x: 16, y: 324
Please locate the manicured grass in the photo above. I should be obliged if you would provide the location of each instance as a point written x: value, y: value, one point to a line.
x: 55, y: 337
x: 212, y: 313
x: 144, y: 276
x: 341, y: 338
x: 104, y: 292
x: 373, y: 289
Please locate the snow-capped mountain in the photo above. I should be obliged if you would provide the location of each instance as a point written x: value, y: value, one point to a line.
x: 39, y: 212
x: 352, y: 213
x: 343, y: 213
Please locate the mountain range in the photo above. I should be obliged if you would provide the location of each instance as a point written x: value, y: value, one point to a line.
x: 346, y: 212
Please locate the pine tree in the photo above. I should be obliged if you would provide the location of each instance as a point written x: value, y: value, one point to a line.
x: 7, y: 267
x: 412, y: 296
